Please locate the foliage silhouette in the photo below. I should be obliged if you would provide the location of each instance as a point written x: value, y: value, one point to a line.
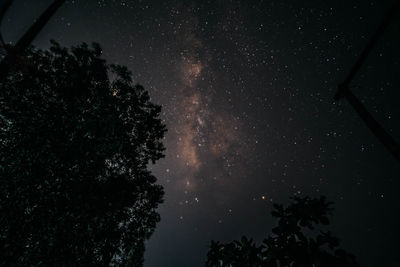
x: 74, y: 149
x: 288, y: 245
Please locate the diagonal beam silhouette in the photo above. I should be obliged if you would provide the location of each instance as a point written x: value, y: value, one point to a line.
x: 344, y: 90
x: 28, y: 37
x: 34, y: 30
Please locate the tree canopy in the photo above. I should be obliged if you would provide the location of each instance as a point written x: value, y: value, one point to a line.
x: 76, y: 138
x: 289, y: 243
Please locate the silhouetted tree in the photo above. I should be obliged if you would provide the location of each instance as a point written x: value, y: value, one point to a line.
x: 288, y: 245
x: 76, y: 137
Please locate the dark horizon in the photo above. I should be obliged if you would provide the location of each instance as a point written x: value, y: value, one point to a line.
x: 247, y: 95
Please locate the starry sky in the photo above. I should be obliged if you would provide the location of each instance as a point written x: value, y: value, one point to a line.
x: 247, y: 93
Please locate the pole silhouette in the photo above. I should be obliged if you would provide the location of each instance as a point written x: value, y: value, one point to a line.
x: 28, y: 37
x: 344, y: 88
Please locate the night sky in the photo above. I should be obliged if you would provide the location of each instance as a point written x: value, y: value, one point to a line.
x: 247, y: 93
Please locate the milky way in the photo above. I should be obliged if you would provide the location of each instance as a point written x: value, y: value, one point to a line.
x: 247, y: 94
x: 206, y: 136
